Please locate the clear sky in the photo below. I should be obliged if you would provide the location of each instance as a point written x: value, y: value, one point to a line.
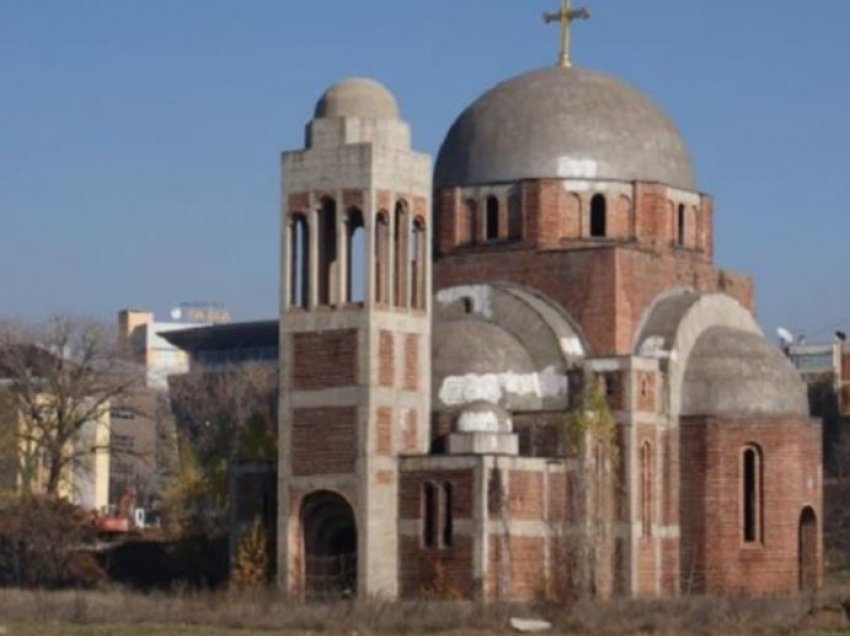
x: 140, y: 140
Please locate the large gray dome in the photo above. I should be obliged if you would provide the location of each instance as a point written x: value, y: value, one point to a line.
x: 731, y: 373
x: 564, y: 123
x: 357, y: 97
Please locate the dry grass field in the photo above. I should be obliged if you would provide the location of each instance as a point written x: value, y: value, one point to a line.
x: 118, y: 613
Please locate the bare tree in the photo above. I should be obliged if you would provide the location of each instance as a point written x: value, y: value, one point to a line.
x: 221, y: 418
x: 56, y: 380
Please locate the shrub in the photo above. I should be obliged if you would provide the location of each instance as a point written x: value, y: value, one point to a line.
x: 251, y: 566
x: 42, y: 544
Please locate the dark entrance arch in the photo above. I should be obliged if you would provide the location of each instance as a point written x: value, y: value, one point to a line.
x: 330, y: 546
x: 808, y: 550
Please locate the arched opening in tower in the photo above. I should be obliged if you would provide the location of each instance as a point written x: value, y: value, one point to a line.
x: 299, y: 265
x: 330, y: 546
x: 328, y: 266
x: 356, y: 256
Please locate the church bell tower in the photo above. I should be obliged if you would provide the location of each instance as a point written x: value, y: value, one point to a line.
x: 355, y: 341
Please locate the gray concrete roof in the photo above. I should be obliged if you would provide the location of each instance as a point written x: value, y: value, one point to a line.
x: 357, y: 97
x: 475, y: 346
x: 663, y: 322
x: 563, y: 123
x: 732, y: 373
x: 480, y: 361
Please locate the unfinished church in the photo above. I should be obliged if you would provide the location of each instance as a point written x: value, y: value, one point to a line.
x: 520, y: 376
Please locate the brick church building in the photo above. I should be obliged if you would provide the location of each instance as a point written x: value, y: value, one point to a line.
x: 519, y: 374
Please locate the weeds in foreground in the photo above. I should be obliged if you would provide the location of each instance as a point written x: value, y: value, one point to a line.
x: 261, y: 611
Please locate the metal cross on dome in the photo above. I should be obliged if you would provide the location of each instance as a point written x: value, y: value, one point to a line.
x: 566, y: 16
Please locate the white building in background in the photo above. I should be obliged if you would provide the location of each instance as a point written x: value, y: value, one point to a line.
x: 143, y: 332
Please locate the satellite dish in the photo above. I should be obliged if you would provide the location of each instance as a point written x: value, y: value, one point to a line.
x: 176, y: 313
x: 785, y: 336
x: 841, y: 336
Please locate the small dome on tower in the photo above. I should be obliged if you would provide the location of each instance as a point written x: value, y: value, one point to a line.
x: 563, y: 123
x: 357, y: 97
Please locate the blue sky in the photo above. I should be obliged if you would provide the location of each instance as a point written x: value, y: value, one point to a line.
x: 140, y: 140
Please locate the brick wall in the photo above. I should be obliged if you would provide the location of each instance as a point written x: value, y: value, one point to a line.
x: 324, y: 359
x: 410, y: 432
x: 440, y: 571
x: 525, y: 579
x: 645, y: 391
x: 324, y: 441
x: 716, y: 559
x: 386, y: 363
x: 436, y: 574
x: 411, y: 362
x: 605, y: 285
x: 352, y: 199
x: 383, y: 431
x: 525, y: 494
x: 410, y: 491
x: 606, y: 290
x: 298, y: 202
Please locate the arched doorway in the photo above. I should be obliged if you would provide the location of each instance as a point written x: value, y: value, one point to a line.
x: 330, y: 546
x: 808, y: 550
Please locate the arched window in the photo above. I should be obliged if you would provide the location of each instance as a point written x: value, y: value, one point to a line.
x: 598, y: 216
x: 469, y: 225
x: 808, y: 550
x: 417, y: 263
x: 299, y: 262
x: 448, y: 519
x: 680, y: 226
x: 752, y: 494
x: 430, y: 514
x: 382, y: 257
x: 646, y: 489
x: 514, y: 217
x: 355, y: 234
x: 400, y: 286
x: 327, y: 251
x: 492, y: 220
